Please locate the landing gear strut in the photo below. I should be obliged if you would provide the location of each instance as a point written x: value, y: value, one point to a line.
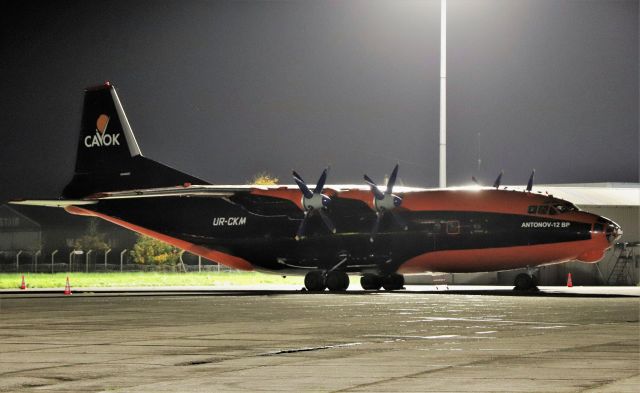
x: 525, y: 282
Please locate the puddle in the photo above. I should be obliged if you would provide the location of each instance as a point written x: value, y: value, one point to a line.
x: 548, y: 327
x: 307, y: 349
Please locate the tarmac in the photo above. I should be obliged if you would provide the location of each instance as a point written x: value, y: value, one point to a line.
x: 444, y: 339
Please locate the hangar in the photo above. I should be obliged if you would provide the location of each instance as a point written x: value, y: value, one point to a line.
x: 619, y: 202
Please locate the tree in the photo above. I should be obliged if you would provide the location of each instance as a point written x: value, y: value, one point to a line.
x: 149, y: 251
x: 263, y: 178
x: 93, y: 239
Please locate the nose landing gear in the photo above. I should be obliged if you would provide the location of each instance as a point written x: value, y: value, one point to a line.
x: 525, y: 282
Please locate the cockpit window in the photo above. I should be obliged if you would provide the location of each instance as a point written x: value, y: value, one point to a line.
x: 565, y: 207
x: 598, y: 227
x: 532, y: 209
x: 543, y: 209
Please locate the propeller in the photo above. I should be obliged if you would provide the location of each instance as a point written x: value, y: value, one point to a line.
x: 530, y: 183
x: 496, y: 183
x: 385, y: 202
x: 313, y: 201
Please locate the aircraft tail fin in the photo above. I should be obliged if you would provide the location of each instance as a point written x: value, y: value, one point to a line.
x: 109, y: 158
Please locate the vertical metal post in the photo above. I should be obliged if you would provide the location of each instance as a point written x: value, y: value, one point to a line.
x: 443, y: 93
x: 36, y: 260
x: 86, y: 260
x: 105, y: 258
x: 217, y: 263
x: 53, y: 254
x: 121, y: 258
x: 18, y: 261
x: 199, y: 264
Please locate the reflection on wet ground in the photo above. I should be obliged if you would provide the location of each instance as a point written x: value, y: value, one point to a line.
x: 320, y: 342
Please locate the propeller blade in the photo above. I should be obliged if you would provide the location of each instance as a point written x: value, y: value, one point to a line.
x: 530, y: 183
x: 374, y: 187
x: 302, y: 185
x: 326, y: 220
x: 473, y: 178
x: 376, y: 226
x: 399, y: 220
x: 496, y: 184
x: 303, y: 223
x: 321, y: 181
x: 392, y: 179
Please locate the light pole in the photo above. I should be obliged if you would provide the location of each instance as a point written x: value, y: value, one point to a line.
x: 53, y: 254
x: 36, y: 260
x: 86, y: 260
x: 443, y: 94
x: 105, y: 258
x: 121, y: 258
x: 18, y: 261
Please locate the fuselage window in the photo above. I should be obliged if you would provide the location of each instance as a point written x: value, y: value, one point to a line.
x: 543, y: 209
x: 532, y: 209
x: 453, y: 227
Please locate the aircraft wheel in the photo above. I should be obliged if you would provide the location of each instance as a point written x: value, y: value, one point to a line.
x: 393, y: 281
x: 315, y: 281
x: 370, y: 281
x: 337, y: 281
x: 525, y: 282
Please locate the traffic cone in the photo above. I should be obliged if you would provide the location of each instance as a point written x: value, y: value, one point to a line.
x: 23, y: 285
x: 569, y: 281
x: 67, y: 287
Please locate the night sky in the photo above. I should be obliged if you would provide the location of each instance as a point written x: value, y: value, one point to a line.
x: 223, y: 90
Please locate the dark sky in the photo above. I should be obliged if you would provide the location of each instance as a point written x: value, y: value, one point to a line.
x: 223, y: 90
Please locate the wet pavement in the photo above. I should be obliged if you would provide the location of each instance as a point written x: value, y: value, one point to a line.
x: 293, y: 341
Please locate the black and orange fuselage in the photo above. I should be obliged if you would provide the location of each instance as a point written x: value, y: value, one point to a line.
x: 463, y: 230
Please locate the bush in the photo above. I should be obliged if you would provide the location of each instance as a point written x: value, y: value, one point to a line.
x: 149, y: 251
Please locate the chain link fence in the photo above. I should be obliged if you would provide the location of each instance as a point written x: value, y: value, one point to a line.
x: 93, y: 261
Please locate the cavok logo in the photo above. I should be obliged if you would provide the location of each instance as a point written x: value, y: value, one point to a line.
x: 101, y: 138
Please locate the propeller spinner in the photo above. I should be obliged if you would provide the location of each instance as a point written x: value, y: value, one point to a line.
x: 385, y: 202
x: 313, y: 201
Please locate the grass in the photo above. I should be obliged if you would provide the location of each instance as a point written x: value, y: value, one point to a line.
x: 143, y: 279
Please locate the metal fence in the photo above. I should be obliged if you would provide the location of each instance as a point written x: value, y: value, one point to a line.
x: 91, y: 261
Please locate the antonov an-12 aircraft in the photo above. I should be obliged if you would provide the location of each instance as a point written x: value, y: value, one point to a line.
x: 322, y: 231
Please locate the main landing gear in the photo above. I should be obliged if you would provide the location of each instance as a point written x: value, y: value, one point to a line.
x: 337, y: 281
x: 374, y: 282
x: 318, y: 281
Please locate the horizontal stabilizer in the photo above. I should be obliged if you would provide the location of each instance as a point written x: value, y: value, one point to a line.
x: 53, y: 202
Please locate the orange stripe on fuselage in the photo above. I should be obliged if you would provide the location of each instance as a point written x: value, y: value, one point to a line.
x: 504, y: 258
x: 217, y: 256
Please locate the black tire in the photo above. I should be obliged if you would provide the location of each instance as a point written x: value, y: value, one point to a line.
x: 371, y: 282
x: 337, y: 281
x: 393, y: 282
x: 315, y: 281
x: 523, y: 282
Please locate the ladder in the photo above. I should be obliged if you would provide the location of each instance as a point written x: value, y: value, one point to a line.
x: 622, y: 271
